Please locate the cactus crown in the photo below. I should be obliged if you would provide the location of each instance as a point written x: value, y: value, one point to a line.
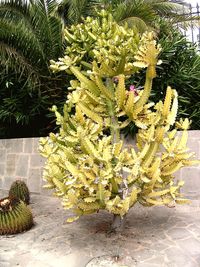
x: 88, y: 163
x: 7, y: 204
x: 20, y: 190
x: 103, y: 40
x: 15, y: 216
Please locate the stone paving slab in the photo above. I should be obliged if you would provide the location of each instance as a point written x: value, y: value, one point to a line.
x: 153, y: 237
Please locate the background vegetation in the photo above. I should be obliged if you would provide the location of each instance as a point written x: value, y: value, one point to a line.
x: 31, y: 33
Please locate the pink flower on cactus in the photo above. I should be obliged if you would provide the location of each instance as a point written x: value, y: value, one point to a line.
x: 133, y: 89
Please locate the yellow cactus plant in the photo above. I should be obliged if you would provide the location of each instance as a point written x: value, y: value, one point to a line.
x: 89, y: 165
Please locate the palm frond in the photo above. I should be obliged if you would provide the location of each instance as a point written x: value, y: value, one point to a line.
x: 18, y: 36
x: 130, y: 9
x: 136, y: 22
x: 72, y: 11
x: 19, y: 7
x: 30, y: 35
x: 13, y: 60
x: 48, y: 27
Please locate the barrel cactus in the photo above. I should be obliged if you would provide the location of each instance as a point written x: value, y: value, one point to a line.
x: 20, y: 190
x: 15, y: 216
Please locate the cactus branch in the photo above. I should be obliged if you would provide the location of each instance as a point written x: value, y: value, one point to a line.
x: 147, y: 89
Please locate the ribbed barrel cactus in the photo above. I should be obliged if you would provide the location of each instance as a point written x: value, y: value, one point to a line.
x: 89, y: 165
x: 15, y: 216
x: 20, y: 190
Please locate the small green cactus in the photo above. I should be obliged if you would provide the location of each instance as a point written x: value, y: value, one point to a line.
x: 15, y: 216
x: 20, y: 190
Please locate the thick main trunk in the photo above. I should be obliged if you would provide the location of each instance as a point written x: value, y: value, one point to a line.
x: 118, y: 223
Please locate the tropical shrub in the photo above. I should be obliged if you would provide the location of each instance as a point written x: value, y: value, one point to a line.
x: 180, y: 69
x: 89, y: 165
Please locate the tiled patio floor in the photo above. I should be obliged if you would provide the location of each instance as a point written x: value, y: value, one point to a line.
x: 153, y: 237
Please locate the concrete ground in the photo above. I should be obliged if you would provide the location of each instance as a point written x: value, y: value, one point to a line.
x: 153, y: 237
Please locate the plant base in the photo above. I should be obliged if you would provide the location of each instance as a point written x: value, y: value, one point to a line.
x: 118, y: 223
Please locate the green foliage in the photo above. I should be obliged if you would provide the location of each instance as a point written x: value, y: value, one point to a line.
x: 141, y: 14
x: 72, y: 11
x: 88, y: 165
x: 20, y: 190
x: 31, y: 35
x: 15, y: 216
